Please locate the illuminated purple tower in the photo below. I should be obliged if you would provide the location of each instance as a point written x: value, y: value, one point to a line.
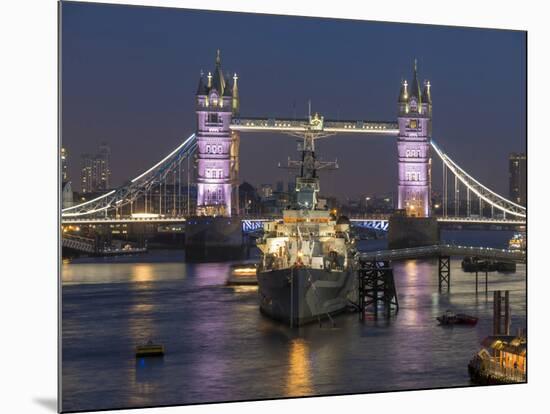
x: 217, y: 102
x: 413, y: 146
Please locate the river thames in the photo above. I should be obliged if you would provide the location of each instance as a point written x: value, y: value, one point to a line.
x: 220, y: 348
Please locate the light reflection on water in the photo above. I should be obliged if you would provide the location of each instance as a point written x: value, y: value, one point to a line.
x: 298, y: 380
x: 142, y: 272
x: 219, y: 347
x: 79, y: 273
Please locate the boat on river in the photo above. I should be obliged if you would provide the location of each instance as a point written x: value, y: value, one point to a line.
x: 451, y: 318
x: 243, y: 274
x: 149, y: 350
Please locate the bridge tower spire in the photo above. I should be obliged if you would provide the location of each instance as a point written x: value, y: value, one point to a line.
x: 413, y: 146
x: 216, y: 158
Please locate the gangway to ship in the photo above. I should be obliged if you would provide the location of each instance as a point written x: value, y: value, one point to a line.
x: 376, y: 287
x: 444, y: 252
x: 515, y: 256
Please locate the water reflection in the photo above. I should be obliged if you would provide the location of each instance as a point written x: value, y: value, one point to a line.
x: 142, y: 272
x: 145, y: 384
x: 299, y: 373
x: 244, y: 289
x: 112, y: 272
x: 412, y: 270
x: 435, y: 304
x: 210, y: 274
x: 147, y: 369
x: 142, y: 326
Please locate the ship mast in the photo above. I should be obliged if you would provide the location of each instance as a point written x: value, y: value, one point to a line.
x: 307, y: 182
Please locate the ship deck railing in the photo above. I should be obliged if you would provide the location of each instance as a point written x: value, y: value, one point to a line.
x: 494, y: 367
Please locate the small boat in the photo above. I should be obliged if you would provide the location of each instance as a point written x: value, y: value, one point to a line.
x: 149, y: 349
x: 518, y: 242
x: 243, y: 274
x: 451, y: 318
x: 474, y: 264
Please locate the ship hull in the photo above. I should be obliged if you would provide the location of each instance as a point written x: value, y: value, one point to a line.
x: 302, y: 295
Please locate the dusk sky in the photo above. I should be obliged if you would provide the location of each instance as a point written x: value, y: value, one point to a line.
x: 130, y: 75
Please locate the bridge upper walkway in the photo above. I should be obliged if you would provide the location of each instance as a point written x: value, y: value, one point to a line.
x: 286, y: 125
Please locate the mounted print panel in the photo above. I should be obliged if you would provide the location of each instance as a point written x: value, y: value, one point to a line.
x: 259, y: 207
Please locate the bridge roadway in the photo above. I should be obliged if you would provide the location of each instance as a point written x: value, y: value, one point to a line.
x: 516, y: 256
x: 378, y: 222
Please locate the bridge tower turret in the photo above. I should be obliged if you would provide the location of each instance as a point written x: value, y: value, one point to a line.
x: 216, y: 103
x: 413, y: 146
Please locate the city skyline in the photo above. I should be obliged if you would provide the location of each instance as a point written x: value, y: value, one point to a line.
x: 129, y: 84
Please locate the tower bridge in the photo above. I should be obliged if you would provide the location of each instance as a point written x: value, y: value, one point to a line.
x: 214, y: 151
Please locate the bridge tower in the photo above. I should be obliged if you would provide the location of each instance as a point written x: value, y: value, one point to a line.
x: 217, y: 169
x: 413, y: 146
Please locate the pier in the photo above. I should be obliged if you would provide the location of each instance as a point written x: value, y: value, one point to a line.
x: 436, y: 250
x: 502, y: 360
x: 376, y: 287
x: 444, y: 252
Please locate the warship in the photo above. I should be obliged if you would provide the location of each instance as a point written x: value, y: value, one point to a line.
x: 306, y: 270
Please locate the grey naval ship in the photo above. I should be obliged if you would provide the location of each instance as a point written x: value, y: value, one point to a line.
x: 306, y: 270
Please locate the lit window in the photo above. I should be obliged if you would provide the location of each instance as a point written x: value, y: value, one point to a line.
x: 413, y: 153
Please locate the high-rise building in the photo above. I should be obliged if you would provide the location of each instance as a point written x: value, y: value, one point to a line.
x: 67, y: 196
x: 86, y: 174
x: 96, y: 170
x: 266, y: 191
x: 413, y: 146
x: 64, y: 163
x: 103, y: 167
x: 517, y: 166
